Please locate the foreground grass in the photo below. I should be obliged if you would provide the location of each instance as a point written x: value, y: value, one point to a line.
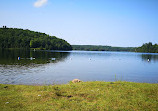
x: 86, y: 96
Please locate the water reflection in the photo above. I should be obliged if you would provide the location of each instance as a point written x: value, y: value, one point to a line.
x: 27, y: 57
x: 60, y: 67
x: 149, y: 57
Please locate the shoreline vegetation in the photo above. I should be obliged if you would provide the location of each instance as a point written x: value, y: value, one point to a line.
x: 86, y: 96
x: 147, y: 48
x: 102, y: 48
x: 14, y: 38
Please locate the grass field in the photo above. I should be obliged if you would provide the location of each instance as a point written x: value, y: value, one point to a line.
x: 85, y: 96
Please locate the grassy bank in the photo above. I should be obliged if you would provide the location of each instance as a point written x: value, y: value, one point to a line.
x: 80, y: 96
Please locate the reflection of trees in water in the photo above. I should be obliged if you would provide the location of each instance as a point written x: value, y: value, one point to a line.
x: 151, y: 57
x: 10, y: 57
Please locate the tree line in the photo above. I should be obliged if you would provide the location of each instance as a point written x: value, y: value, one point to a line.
x: 101, y: 48
x: 20, y: 38
x: 148, y: 47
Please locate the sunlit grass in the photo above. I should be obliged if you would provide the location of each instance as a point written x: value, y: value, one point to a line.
x: 86, y: 96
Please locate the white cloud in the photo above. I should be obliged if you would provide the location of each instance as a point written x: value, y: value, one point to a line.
x: 40, y: 3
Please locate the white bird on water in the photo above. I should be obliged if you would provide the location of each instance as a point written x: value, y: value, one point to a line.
x: 148, y: 60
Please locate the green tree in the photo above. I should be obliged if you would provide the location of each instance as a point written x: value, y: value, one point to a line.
x: 19, y: 38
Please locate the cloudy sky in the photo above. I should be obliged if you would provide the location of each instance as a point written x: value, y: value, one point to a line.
x: 88, y: 22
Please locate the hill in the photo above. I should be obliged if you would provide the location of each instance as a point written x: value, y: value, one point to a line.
x: 20, y: 38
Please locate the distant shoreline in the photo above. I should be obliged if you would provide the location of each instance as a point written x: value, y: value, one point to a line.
x: 78, y: 50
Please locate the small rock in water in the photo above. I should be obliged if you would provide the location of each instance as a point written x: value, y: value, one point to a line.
x: 6, y: 102
x: 18, y: 58
x: 53, y: 59
x: 31, y: 58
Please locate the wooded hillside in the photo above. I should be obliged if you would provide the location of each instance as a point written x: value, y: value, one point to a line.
x: 19, y: 38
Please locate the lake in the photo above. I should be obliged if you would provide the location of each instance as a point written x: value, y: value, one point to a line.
x: 58, y: 67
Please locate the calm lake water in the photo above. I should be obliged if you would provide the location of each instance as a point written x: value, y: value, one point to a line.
x: 50, y: 67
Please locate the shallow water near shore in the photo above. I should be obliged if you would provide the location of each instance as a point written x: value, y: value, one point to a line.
x: 58, y: 67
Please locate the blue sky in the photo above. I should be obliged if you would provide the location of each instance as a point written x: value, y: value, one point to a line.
x: 87, y: 22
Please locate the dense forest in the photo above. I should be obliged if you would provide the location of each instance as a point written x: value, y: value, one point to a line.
x: 148, y: 47
x: 19, y: 38
x: 101, y: 48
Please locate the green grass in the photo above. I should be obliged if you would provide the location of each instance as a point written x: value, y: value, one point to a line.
x: 85, y: 96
